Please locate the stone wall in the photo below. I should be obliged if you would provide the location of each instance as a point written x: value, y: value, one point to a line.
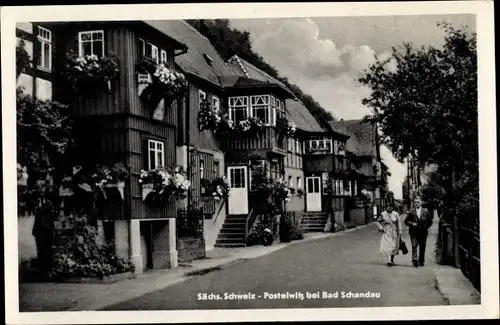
x: 190, y: 249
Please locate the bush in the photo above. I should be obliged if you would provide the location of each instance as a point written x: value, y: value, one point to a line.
x: 80, y: 255
x: 288, y: 230
x: 260, y: 235
x: 297, y: 234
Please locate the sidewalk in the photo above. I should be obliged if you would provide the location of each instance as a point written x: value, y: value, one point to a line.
x: 455, y: 288
x: 451, y: 283
x: 89, y: 296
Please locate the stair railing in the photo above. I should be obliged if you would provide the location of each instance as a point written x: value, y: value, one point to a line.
x: 249, y: 221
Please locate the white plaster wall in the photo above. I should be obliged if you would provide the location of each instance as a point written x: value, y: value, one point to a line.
x: 26, y: 83
x: 26, y: 240
x: 43, y: 89
x: 27, y: 27
x: 296, y: 203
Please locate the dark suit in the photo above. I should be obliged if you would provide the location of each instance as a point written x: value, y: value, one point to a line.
x: 418, y: 233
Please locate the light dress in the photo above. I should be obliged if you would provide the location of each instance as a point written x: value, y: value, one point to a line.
x: 391, y: 224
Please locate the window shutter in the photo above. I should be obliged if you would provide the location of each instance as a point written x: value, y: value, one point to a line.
x: 145, y: 154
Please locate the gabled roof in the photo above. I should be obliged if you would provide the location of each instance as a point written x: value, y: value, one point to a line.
x: 250, y: 74
x: 300, y: 115
x: 244, y: 68
x: 362, y: 140
x: 201, y: 59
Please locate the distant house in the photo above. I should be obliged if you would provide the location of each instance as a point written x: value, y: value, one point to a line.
x: 363, y: 147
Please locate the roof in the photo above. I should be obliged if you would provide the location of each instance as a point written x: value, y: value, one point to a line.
x: 159, y: 26
x: 244, y: 68
x: 298, y: 113
x: 362, y: 136
x: 201, y: 59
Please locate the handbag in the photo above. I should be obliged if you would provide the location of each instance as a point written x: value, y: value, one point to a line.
x: 402, y: 246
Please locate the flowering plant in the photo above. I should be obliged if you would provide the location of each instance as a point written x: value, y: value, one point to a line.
x: 249, y: 125
x: 163, y: 82
x: 281, y: 190
x: 288, y: 127
x: 160, y: 183
x: 104, y: 176
x: 173, y: 83
x: 146, y: 65
x: 299, y: 192
x: 90, y: 69
x: 218, y: 188
x: 209, y: 117
x: 22, y: 175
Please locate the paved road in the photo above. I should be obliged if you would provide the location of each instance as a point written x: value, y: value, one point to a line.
x: 349, y: 262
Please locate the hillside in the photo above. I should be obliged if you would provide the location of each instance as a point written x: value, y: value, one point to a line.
x: 229, y: 41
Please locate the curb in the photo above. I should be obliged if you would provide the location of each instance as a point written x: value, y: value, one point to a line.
x: 440, y: 290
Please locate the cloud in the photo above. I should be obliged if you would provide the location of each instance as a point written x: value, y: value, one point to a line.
x: 397, y: 170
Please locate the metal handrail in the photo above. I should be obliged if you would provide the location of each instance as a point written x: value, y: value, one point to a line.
x: 248, y: 218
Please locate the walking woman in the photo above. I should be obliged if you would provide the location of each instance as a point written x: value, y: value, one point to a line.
x: 389, y: 225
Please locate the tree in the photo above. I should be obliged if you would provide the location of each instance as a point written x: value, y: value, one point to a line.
x: 433, y: 192
x: 427, y: 107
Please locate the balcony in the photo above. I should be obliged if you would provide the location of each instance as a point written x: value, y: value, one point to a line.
x: 267, y: 140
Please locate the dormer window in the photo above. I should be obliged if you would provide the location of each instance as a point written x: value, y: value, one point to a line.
x: 153, y: 51
x: 91, y: 42
x: 163, y: 57
x: 208, y: 59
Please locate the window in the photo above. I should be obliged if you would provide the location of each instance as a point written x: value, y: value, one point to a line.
x: 290, y: 181
x: 324, y: 177
x: 299, y: 182
x: 153, y: 50
x: 45, y: 39
x: 215, y: 102
x: 163, y: 57
x: 280, y: 112
x: 318, y: 145
x: 260, y: 108
x: 156, y: 154
x: 237, y: 176
x: 91, y: 42
x: 142, y: 47
x: 238, y: 108
x: 216, y: 168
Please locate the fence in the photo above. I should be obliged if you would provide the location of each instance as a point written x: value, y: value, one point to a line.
x: 459, y: 245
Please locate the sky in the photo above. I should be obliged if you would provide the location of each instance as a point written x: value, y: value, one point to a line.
x: 326, y: 56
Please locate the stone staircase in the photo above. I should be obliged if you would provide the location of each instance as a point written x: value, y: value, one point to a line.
x: 232, y: 233
x: 313, y: 221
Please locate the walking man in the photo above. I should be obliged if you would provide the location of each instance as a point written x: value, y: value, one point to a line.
x: 419, y: 220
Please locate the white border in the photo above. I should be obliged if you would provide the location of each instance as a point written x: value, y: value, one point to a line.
x: 487, y: 146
